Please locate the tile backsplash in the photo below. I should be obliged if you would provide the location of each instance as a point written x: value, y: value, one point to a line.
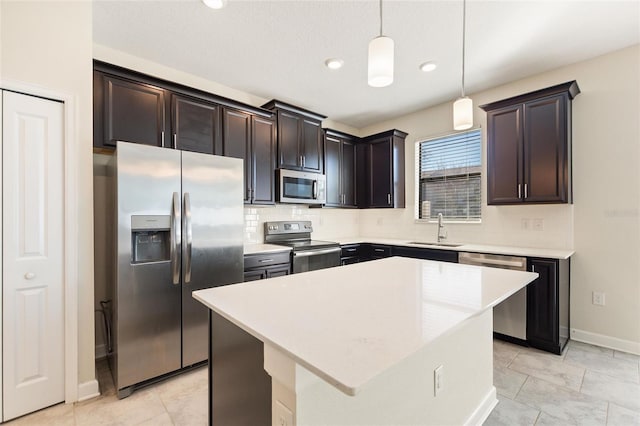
x: 327, y: 223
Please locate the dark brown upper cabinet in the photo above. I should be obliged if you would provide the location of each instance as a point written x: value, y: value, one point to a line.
x: 529, y: 147
x: 381, y: 175
x: 252, y: 138
x: 134, y: 107
x: 195, y: 125
x: 300, y: 137
x: 127, y: 111
x: 340, y: 168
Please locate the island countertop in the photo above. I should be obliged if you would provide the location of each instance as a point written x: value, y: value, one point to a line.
x: 349, y: 324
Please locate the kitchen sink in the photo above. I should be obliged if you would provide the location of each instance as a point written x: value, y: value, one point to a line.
x: 435, y: 244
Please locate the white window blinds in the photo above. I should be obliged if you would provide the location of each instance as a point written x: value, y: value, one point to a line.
x: 449, y: 170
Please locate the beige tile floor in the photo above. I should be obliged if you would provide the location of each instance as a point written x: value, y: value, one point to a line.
x: 586, y: 385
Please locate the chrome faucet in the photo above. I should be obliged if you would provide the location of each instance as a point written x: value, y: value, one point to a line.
x: 442, y: 232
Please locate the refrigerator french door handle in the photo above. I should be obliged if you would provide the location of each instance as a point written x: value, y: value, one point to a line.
x: 176, y: 239
x: 189, y: 237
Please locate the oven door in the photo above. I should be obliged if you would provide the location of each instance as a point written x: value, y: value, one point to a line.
x: 310, y: 260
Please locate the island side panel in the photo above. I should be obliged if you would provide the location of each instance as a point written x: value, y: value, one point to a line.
x: 239, y: 387
x: 404, y: 394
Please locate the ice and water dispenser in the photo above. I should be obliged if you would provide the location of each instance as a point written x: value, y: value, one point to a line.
x: 150, y: 239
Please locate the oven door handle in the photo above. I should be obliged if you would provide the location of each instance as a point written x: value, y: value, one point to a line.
x: 308, y: 253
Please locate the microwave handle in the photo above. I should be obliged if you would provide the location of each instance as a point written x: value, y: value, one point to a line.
x: 315, y: 189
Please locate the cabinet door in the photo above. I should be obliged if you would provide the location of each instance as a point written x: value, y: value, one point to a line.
x: 362, y: 175
x: 132, y: 112
x: 348, y: 173
x: 236, y: 131
x: 255, y: 275
x: 278, y: 271
x: 542, y: 306
x: 288, y: 138
x: 504, y: 155
x: 545, y: 150
x: 332, y: 164
x: 312, y: 153
x: 263, y: 161
x: 195, y: 125
x: 380, y: 173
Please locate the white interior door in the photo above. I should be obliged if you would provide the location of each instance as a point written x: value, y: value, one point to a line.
x: 32, y: 256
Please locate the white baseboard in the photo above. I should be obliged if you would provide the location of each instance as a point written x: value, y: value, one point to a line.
x: 484, y: 409
x: 88, y: 390
x: 101, y: 351
x: 606, y: 341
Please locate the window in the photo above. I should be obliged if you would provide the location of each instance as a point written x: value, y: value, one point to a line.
x: 448, y: 177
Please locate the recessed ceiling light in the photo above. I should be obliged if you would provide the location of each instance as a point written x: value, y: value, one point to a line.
x: 428, y: 66
x: 334, y: 63
x: 215, y: 4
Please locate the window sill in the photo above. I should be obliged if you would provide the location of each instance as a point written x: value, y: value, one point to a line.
x: 448, y: 221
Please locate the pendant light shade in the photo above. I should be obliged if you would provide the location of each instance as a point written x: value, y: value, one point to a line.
x: 463, y: 107
x: 463, y: 114
x: 380, y: 70
x: 380, y: 62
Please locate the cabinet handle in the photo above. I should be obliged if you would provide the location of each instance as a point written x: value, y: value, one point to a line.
x: 389, y: 199
x: 378, y: 250
x: 175, y: 140
x: 304, y: 161
x: 519, y: 191
x: 525, y: 191
x: 301, y: 161
x: 264, y: 260
x: 350, y: 250
x: 533, y: 268
x: 162, y: 137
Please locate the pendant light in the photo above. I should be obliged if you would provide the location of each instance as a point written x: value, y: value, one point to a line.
x: 380, y: 72
x: 463, y: 107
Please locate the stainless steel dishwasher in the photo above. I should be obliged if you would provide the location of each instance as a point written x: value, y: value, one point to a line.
x: 510, y: 316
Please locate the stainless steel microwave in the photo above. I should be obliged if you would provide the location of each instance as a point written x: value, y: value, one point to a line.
x: 300, y: 187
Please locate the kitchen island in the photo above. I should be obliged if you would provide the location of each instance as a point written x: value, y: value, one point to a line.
x: 393, y: 341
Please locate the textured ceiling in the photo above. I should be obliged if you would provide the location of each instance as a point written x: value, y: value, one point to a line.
x: 276, y: 49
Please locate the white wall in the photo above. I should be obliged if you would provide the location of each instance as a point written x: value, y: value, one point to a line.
x: 603, y: 224
x: 48, y: 44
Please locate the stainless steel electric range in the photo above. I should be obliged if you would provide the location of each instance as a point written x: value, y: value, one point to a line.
x: 308, y: 254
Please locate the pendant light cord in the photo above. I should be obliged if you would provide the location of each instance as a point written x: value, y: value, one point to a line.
x: 464, y: 7
x: 380, y: 18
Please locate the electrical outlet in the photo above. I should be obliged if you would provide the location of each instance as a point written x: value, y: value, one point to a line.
x: 284, y: 416
x: 525, y: 224
x: 438, y: 380
x: 597, y: 298
x: 538, y: 224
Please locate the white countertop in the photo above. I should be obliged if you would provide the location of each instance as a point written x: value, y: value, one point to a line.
x: 349, y: 324
x: 477, y: 248
x: 264, y: 248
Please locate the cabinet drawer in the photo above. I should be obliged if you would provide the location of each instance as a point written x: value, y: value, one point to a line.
x: 267, y: 259
x: 351, y: 250
x: 379, y: 251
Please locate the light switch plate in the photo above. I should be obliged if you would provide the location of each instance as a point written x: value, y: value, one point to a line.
x: 284, y: 416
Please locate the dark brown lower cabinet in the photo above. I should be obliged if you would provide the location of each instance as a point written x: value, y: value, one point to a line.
x: 266, y: 265
x: 548, y: 305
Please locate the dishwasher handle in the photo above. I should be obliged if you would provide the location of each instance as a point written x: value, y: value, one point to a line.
x: 492, y: 260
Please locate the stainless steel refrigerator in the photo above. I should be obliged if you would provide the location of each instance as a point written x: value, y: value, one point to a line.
x: 179, y: 228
